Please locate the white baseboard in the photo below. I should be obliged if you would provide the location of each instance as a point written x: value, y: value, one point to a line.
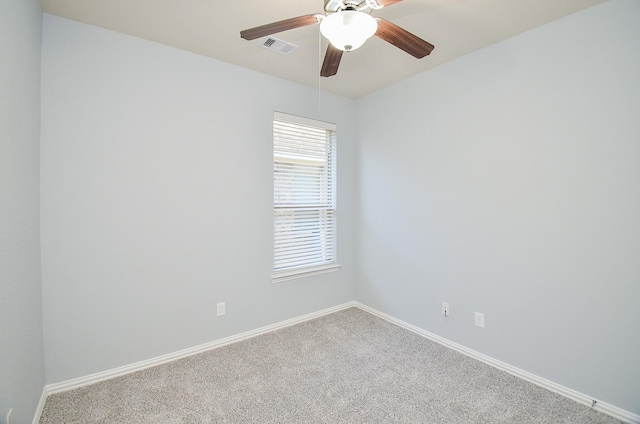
x: 127, y: 369
x: 606, y: 408
x: 618, y: 413
x: 40, y: 407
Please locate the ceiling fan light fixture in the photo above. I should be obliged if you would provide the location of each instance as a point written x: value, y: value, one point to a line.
x: 348, y: 29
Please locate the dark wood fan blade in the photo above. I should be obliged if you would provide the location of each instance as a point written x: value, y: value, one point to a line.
x: 275, y: 27
x: 386, y: 3
x: 403, y: 39
x: 331, y: 61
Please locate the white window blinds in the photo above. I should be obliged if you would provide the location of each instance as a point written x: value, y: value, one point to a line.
x: 304, y: 196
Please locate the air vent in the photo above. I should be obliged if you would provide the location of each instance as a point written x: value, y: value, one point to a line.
x: 278, y: 46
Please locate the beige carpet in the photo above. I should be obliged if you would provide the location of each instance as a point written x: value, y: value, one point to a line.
x: 347, y: 367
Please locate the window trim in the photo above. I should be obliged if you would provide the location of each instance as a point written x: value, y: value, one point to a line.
x: 305, y: 271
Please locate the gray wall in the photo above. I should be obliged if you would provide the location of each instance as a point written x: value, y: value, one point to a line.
x: 508, y: 182
x: 157, y: 199
x: 21, y: 355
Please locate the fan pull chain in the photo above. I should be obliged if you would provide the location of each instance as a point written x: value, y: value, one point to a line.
x: 319, y: 67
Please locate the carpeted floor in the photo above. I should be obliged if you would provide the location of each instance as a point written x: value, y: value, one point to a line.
x: 347, y: 367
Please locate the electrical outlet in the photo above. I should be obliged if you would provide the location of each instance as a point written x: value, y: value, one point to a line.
x: 479, y: 320
x: 10, y: 416
x: 445, y: 309
x: 221, y: 308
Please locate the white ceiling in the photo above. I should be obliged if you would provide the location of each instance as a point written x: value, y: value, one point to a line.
x: 212, y: 28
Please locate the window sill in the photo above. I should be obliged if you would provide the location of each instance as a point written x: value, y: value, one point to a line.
x: 303, y: 272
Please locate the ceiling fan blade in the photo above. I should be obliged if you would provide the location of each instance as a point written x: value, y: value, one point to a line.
x: 331, y: 61
x: 385, y: 3
x: 274, y: 27
x: 403, y: 39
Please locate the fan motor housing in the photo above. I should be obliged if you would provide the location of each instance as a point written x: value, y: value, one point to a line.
x: 360, y: 5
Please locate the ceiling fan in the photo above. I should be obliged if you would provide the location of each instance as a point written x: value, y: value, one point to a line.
x: 347, y: 24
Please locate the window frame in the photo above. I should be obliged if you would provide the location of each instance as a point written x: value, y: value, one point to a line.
x: 329, y: 185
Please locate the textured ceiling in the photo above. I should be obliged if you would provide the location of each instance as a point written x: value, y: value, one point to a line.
x: 212, y: 28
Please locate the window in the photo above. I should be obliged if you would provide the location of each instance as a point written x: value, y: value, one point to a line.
x: 304, y: 197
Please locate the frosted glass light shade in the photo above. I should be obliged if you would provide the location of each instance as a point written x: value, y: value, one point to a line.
x: 349, y: 29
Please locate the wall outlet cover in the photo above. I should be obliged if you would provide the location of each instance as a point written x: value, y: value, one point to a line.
x: 479, y: 320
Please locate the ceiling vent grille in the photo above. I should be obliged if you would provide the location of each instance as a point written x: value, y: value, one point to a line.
x: 278, y: 46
